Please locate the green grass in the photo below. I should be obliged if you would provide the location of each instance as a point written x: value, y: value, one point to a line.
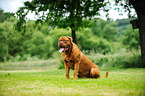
x: 121, y: 82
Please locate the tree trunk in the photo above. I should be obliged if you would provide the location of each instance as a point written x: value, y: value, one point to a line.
x: 139, y: 6
x: 74, y: 35
x: 141, y: 22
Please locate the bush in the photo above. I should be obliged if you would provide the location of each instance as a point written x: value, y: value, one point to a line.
x: 122, y: 59
x: 39, y: 45
x: 89, y: 42
x: 131, y: 38
x: 25, y: 57
x: 104, y: 29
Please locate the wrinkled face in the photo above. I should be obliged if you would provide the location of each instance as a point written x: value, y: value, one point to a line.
x: 64, y: 43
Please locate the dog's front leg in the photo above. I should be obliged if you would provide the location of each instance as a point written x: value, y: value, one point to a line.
x: 67, y: 70
x: 76, y: 69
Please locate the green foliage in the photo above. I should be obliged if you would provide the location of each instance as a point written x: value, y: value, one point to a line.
x: 8, y: 37
x: 123, y: 22
x: 97, y: 26
x: 122, y: 59
x: 4, y: 16
x: 109, y: 31
x: 29, y: 41
x: 41, y: 42
x: 89, y: 42
x: 4, y: 47
x: 61, y: 13
x: 131, y: 38
x: 39, y: 45
x: 104, y: 29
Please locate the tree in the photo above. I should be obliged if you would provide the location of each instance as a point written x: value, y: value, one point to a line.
x: 4, y: 16
x: 16, y: 46
x: 139, y: 6
x: 9, y: 39
x: 104, y: 29
x: 97, y: 26
x: 131, y: 38
x: 62, y: 13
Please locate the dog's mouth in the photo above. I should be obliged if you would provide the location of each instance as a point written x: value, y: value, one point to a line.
x: 63, y: 49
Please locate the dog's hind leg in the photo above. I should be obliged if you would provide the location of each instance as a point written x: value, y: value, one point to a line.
x: 95, y: 72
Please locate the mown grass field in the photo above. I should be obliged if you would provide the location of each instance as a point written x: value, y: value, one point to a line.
x: 121, y: 82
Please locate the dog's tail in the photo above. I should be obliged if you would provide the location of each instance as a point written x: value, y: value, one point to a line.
x: 106, y: 74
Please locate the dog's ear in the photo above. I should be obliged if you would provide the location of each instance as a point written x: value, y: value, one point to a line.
x: 70, y: 38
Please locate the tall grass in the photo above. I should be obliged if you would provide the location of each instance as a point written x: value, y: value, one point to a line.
x: 122, y: 58
x: 51, y: 64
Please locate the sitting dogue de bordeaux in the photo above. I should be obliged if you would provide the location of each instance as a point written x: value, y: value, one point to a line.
x: 73, y: 58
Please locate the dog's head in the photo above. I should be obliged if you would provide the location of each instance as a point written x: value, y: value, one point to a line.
x: 64, y: 43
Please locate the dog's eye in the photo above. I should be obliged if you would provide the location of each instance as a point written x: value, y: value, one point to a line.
x: 65, y: 40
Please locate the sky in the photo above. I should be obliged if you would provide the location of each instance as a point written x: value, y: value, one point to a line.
x: 13, y: 6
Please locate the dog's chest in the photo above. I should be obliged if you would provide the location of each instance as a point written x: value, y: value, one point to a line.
x: 70, y: 63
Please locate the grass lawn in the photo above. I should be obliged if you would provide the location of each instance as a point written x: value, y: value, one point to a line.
x: 121, y: 82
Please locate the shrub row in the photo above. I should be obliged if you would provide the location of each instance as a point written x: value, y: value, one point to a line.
x: 123, y: 59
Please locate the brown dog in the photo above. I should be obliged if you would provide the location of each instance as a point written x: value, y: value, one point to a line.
x: 73, y: 58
